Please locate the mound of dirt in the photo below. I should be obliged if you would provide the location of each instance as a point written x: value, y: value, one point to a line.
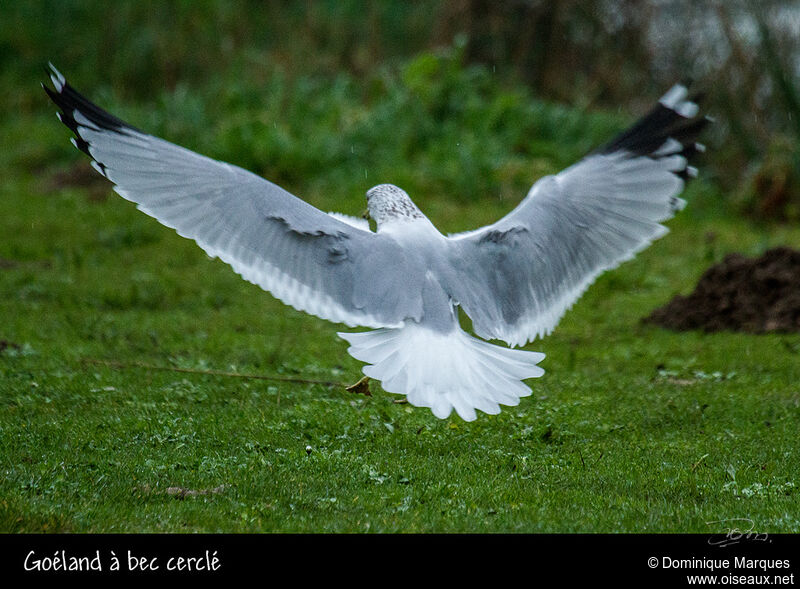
x: 755, y: 295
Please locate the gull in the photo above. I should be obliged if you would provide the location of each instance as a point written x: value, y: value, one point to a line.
x: 406, y: 280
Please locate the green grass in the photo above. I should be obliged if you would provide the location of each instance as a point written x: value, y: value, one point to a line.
x: 632, y: 428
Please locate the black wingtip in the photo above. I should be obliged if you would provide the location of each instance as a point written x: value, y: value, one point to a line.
x: 675, y: 119
x: 69, y: 101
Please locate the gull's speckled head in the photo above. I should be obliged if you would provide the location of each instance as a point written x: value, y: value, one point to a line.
x: 387, y: 202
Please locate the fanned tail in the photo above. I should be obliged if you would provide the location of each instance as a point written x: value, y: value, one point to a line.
x: 445, y: 371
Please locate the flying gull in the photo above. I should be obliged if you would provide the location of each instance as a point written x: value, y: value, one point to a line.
x: 515, y: 278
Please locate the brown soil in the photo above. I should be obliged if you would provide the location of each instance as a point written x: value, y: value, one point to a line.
x: 755, y: 295
x: 81, y: 175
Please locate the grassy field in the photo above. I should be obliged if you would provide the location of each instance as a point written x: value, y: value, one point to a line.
x: 632, y: 428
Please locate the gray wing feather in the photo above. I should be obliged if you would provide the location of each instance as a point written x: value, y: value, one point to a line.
x: 304, y: 257
x: 517, y: 277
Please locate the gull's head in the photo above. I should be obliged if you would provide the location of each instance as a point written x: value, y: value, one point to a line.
x: 387, y: 203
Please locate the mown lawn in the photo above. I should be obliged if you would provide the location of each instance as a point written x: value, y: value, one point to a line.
x: 632, y: 428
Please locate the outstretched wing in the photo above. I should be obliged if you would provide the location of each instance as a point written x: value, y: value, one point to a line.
x: 517, y: 277
x: 308, y: 259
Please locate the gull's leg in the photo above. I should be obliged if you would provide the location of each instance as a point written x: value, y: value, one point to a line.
x: 361, y: 387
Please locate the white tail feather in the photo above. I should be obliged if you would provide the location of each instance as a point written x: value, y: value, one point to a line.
x: 445, y: 371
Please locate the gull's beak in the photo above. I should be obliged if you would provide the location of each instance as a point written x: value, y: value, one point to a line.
x: 365, y: 214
